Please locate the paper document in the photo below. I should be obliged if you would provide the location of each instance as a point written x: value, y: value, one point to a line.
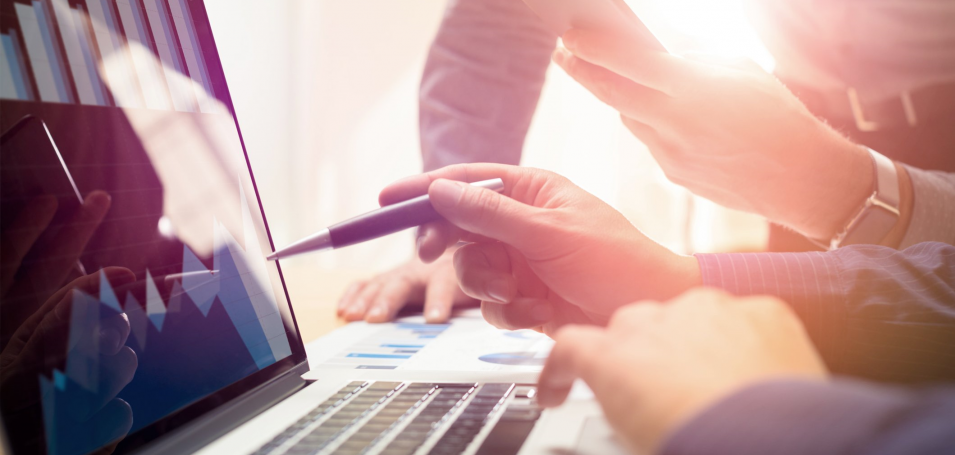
x: 466, y: 343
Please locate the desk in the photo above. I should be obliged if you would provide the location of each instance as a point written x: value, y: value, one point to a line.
x: 314, y: 292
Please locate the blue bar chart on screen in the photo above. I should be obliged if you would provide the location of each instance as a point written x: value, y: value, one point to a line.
x: 122, y: 53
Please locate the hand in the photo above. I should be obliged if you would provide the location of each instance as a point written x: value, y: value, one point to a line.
x: 657, y: 365
x: 82, y: 420
x: 25, y: 283
x: 545, y: 252
x: 729, y: 133
x: 380, y: 299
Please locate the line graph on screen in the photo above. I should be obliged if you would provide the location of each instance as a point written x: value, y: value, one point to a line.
x: 211, y: 327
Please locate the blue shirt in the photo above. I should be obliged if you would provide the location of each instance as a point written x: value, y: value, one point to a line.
x: 874, y: 313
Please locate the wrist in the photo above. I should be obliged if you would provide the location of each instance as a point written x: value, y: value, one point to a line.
x: 836, y: 187
x: 671, y: 277
x: 906, y: 200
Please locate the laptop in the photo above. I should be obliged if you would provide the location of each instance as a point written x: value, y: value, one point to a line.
x: 137, y: 311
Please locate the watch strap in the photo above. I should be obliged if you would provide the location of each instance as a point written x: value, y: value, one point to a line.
x: 886, y: 178
x: 880, y: 212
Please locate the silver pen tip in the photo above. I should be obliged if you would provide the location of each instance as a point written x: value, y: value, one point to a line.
x: 273, y: 256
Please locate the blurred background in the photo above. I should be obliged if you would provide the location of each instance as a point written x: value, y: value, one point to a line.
x: 327, y: 98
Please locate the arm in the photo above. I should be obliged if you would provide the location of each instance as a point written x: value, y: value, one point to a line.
x: 482, y: 82
x: 478, y: 93
x: 871, y: 311
x: 794, y: 417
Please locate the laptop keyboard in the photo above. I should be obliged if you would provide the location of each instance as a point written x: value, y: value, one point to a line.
x: 396, y: 418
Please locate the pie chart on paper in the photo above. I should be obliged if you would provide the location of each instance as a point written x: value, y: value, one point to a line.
x: 515, y: 358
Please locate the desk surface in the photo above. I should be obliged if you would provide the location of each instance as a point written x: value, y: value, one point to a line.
x: 315, y: 292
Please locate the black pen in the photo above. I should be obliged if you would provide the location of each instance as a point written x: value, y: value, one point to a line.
x: 374, y: 224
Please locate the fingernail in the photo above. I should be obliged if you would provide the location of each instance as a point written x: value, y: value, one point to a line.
x: 109, y: 339
x: 435, y: 315
x: 542, y: 313
x: 446, y: 193
x: 99, y: 197
x: 560, y: 56
x: 499, y: 290
x: 354, y: 311
x: 375, y: 313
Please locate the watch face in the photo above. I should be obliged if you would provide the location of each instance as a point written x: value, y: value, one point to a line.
x: 872, y: 225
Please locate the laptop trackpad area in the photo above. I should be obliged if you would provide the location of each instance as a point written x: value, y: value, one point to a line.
x: 598, y: 438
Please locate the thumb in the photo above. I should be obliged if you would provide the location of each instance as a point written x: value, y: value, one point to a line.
x: 487, y: 213
x: 731, y: 61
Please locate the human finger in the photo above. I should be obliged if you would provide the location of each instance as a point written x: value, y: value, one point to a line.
x: 661, y: 71
x: 636, y: 317
x: 736, y: 62
x: 113, y: 333
x: 483, y: 272
x: 46, y: 326
x: 575, y: 353
x: 109, y: 425
x: 394, y: 294
x: 439, y: 296
x: 115, y: 372
x: 356, y: 311
x: 520, y: 313
x: 517, y: 180
x: 433, y: 239
x: 22, y: 233
x: 487, y: 213
x: 61, y: 255
x: 348, y: 298
x: 630, y: 98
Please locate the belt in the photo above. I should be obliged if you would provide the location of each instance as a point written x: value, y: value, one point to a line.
x: 908, y: 109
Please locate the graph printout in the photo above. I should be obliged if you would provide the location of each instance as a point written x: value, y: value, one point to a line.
x: 467, y: 343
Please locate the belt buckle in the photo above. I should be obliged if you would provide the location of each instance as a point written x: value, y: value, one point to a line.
x: 868, y: 126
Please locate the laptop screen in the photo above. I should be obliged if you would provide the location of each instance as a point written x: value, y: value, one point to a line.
x: 135, y: 292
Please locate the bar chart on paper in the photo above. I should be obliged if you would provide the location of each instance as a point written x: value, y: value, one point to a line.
x: 121, y: 53
x: 390, y: 347
x: 467, y: 343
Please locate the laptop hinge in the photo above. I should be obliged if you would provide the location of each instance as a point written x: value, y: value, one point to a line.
x: 197, y: 434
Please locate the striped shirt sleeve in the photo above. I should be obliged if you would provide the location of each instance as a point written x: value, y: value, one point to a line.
x: 872, y: 312
x: 797, y: 417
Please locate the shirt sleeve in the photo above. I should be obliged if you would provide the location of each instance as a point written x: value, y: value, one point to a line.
x: 482, y: 82
x: 796, y: 417
x: 933, y: 209
x: 872, y: 312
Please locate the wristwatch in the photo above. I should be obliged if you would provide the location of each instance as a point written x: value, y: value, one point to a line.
x: 879, y: 213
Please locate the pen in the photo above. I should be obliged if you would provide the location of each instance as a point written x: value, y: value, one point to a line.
x: 374, y: 224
